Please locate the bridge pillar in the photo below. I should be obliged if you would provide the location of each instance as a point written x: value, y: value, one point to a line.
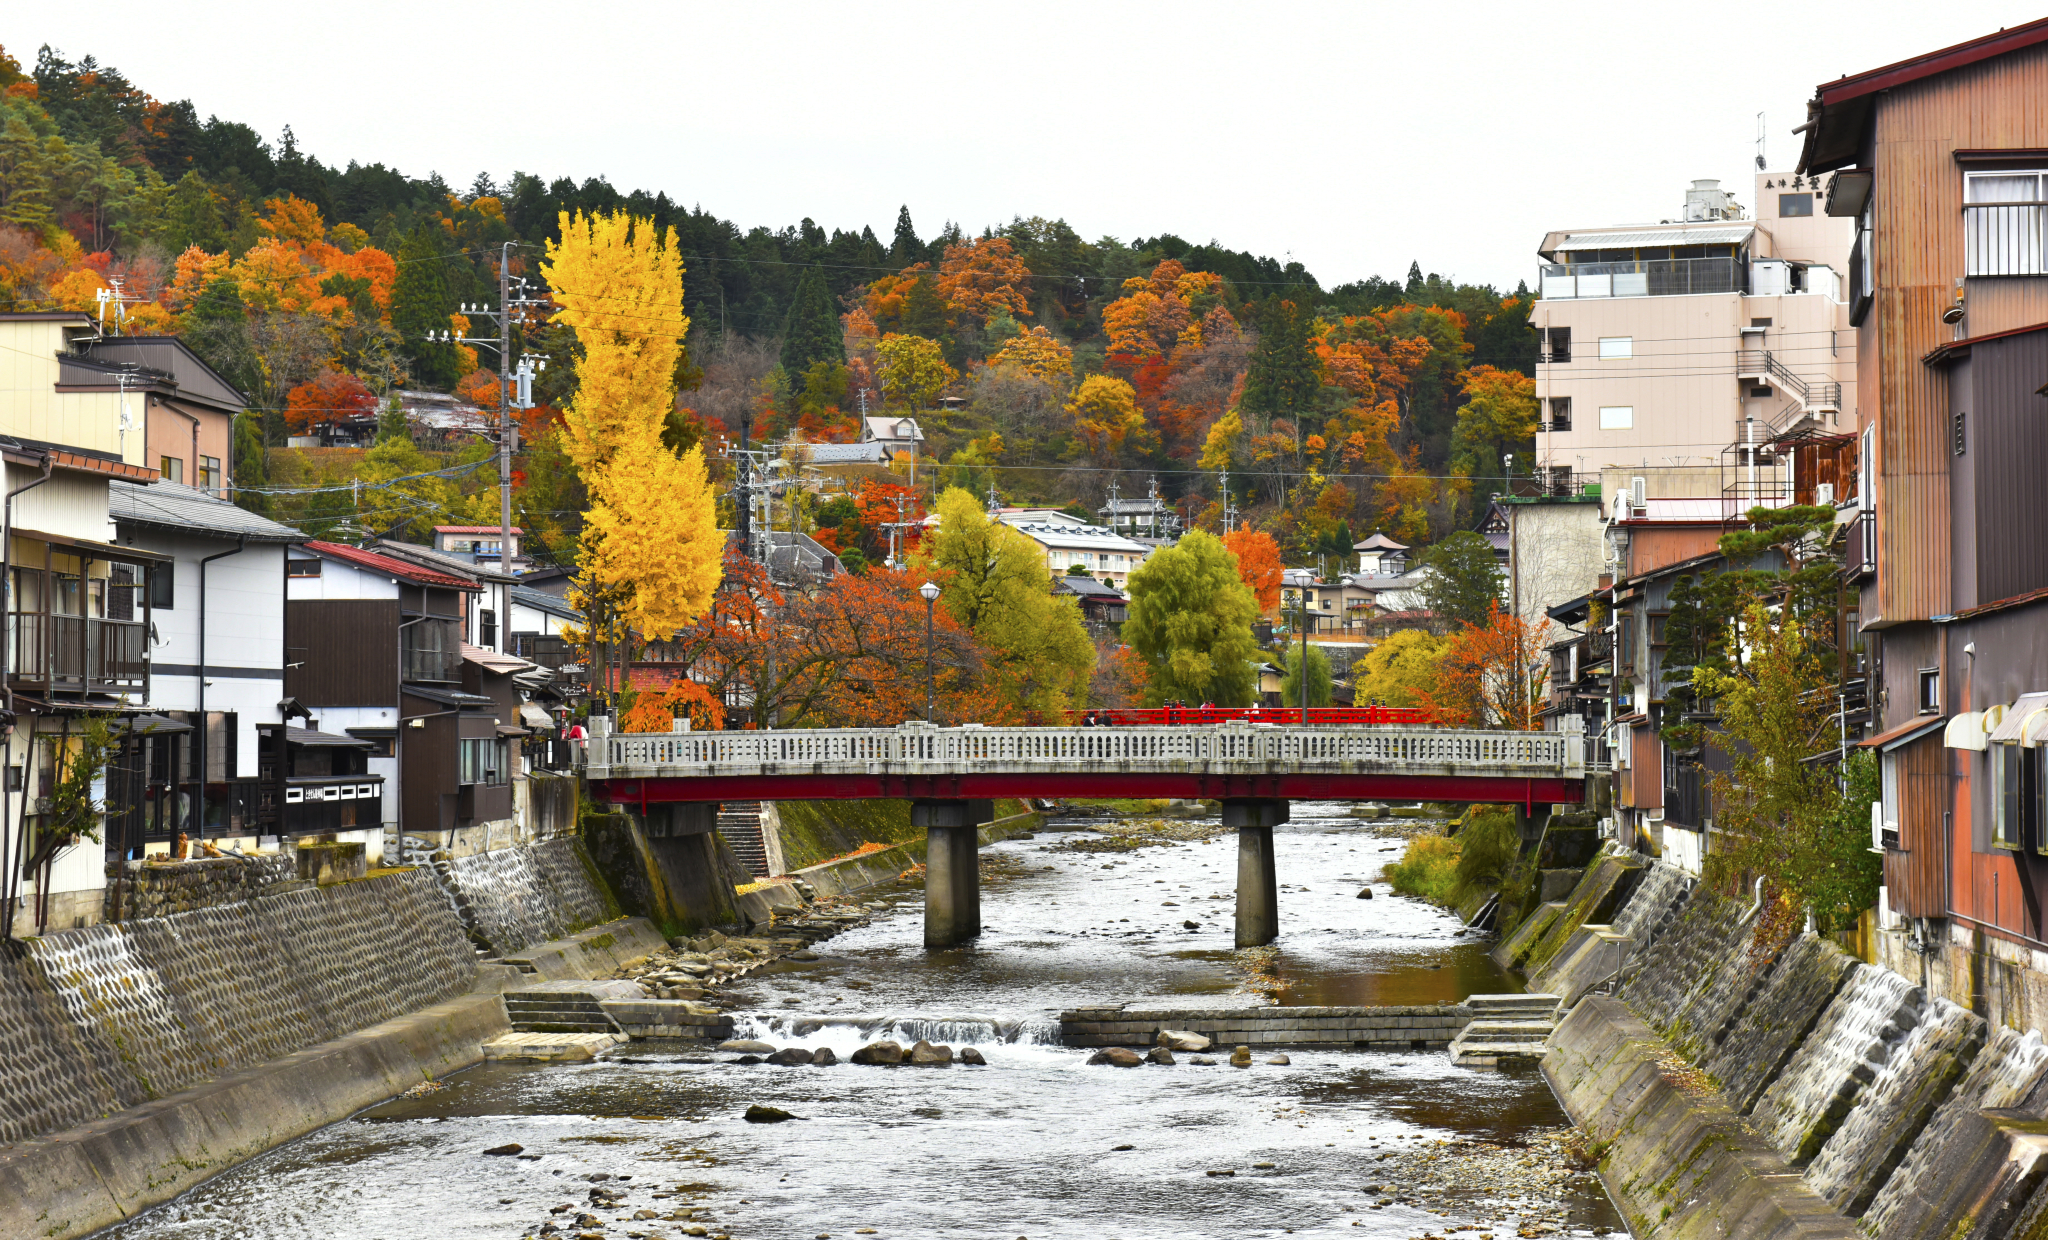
x: 952, y: 868
x: 1530, y: 822
x: 1258, y: 878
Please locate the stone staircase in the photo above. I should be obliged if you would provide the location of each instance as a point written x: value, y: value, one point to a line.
x: 739, y: 823
x: 1505, y: 1029
x: 560, y: 1007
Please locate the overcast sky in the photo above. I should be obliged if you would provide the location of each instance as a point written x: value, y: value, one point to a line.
x: 1353, y: 137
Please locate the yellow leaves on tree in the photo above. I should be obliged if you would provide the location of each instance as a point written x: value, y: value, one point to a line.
x: 1105, y: 412
x: 1161, y: 312
x: 1222, y: 441
x: 982, y: 277
x: 651, y: 541
x: 914, y: 371
x: 1258, y: 564
x: 292, y: 218
x: 1038, y: 353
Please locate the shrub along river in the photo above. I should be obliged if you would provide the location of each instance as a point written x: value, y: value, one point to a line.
x: 1038, y: 1143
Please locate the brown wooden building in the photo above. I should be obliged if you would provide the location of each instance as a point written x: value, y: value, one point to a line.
x: 1943, y: 162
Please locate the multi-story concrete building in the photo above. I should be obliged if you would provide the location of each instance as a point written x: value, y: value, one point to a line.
x: 1693, y: 341
x: 1067, y: 540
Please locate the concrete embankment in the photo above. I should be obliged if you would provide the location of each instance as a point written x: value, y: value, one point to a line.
x: 148, y: 1055
x: 1744, y: 1088
x: 861, y: 871
x: 1420, y: 1027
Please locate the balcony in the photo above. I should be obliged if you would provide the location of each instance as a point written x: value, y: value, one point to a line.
x: 1859, y: 546
x: 1648, y: 277
x: 2004, y: 239
x: 78, y: 654
x: 315, y: 804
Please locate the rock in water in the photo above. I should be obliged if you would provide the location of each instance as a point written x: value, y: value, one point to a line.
x: 748, y: 1059
x: 1123, y: 1147
x: 758, y: 1114
x: 505, y: 1150
x: 1160, y: 1055
x: 1181, y: 1040
x: 823, y: 1057
x: 1241, y: 1057
x: 1279, y: 1061
x: 791, y: 1055
x: 746, y: 1046
x: 1117, y: 1057
x: 969, y: 1055
x: 1366, y: 894
x: 1191, y: 925
x: 925, y: 1053
x: 879, y: 1052
x: 1203, y: 1061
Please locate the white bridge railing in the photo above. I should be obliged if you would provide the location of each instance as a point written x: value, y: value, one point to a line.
x: 1236, y: 747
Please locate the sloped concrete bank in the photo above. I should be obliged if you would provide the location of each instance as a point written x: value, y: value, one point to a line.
x: 1733, y: 1088
x: 870, y: 869
x: 145, y: 1056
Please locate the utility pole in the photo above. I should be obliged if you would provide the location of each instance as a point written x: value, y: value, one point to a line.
x: 1113, y: 514
x: 1229, y: 508
x: 508, y: 306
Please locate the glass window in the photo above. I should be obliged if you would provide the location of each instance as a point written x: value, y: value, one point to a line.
x: 1617, y: 417
x: 1617, y: 346
x: 302, y: 568
x: 2005, y: 796
x: 1791, y: 205
x: 163, y: 586
x: 172, y: 468
x: 209, y: 473
x: 2002, y: 224
x: 1930, y: 691
x: 482, y: 761
x: 1560, y: 413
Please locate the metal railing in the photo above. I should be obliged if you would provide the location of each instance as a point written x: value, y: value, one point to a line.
x: 1859, y: 545
x: 1648, y: 277
x: 2004, y: 239
x: 1760, y: 363
x: 78, y: 652
x: 922, y: 748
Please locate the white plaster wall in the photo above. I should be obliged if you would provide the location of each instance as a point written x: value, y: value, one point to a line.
x: 71, y: 504
x: 338, y: 580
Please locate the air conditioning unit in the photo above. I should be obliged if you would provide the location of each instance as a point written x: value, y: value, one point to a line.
x: 1824, y: 495
x: 1621, y: 505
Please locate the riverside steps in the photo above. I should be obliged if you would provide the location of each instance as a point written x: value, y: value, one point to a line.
x: 951, y: 776
x: 1505, y: 1029
x: 1397, y: 1028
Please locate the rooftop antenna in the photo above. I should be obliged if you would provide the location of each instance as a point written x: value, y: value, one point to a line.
x: 1113, y: 514
x: 1760, y: 163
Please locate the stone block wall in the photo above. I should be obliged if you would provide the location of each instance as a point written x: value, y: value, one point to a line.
x: 137, y: 889
x: 512, y: 898
x: 100, y: 1019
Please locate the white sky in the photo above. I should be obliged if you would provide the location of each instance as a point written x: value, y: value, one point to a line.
x: 1354, y: 137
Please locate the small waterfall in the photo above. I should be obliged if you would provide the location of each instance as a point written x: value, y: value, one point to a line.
x: 1916, y: 1196
x: 1916, y: 1076
x: 843, y: 1033
x: 1850, y: 1045
x: 1791, y: 996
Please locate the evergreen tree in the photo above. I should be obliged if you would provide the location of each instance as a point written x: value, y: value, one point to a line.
x: 924, y: 311
x: 1464, y: 579
x: 391, y: 423
x: 1283, y: 379
x: 251, y: 464
x: 1414, y: 288
x: 906, y: 249
x: 811, y: 334
x: 420, y: 305
x: 217, y: 329
x: 872, y: 260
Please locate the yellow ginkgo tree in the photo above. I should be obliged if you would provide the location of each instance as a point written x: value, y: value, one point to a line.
x: 651, y: 551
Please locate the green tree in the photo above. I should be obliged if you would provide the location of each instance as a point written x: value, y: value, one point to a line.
x: 1399, y: 670
x: 251, y: 465
x: 1463, y: 580
x: 391, y: 423
x: 1283, y: 379
x: 906, y: 248
x: 996, y: 586
x: 924, y: 311
x: 217, y: 329
x: 1318, y: 676
x: 811, y: 333
x: 1191, y: 619
x: 420, y: 306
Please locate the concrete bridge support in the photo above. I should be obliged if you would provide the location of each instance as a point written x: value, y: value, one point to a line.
x: 1258, y: 879
x: 952, y: 868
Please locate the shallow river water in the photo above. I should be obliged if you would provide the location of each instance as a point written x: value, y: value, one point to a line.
x: 1025, y: 1147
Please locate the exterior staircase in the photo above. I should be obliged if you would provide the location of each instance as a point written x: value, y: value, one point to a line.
x: 739, y: 823
x: 1505, y: 1029
x: 557, y: 1010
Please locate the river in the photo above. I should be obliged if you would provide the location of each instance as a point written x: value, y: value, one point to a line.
x: 1038, y: 1144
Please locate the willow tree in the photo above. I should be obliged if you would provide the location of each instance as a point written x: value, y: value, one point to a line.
x: 651, y: 551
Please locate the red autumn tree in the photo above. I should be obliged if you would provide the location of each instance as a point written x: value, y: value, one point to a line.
x: 1258, y: 564
x: 330, y: 396
x: 1492, y: 675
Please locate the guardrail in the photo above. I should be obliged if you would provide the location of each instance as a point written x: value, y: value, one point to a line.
x: 1234, y: 747
x: 1172, y: 716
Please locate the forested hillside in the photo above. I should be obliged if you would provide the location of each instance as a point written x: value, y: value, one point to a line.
x: 1035, y: 359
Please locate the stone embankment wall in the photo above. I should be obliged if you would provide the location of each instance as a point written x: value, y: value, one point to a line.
x: 108, y: 1017
x: 513, y: 898
x: 141, y: 889
x: 1745, y: 1088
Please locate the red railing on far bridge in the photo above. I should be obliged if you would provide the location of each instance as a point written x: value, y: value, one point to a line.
x: 1288, y: 715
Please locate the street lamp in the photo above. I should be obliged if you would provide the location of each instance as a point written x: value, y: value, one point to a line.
x: 931, y: 596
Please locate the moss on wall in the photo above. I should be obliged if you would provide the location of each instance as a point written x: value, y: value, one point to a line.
x: 814, y: 832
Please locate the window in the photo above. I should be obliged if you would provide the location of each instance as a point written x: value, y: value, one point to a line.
x: 209, y: 473
x: 302, y: 568
x: 1560, y: 345
x: 1759, y: 393
x: 1759, y: 322
x: 2007, y: 773
x: 487, y: 628
x: 172, y: 468
x: 163, y: 586
x: 1793, y: 205
x: 2002, y: 219
x: 483, y: 762
x: 1930, y: 691
x: 1888, y: 815
x: 1612, y: 347
x: 1617, y: 417
x: 1958, y: 432
x: 1560, y: 413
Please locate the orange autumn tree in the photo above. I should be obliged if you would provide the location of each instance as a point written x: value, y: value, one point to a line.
x: 1258, y: 565
x: 330, y: 396
x: 1492, y: 675
x: 984, y: 278
x: 656, y: 710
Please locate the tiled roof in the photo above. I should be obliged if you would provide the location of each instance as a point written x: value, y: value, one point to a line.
x: 541, y: 600
x: 174, y: 506
x: 504, y: 664
x: 388, y: 564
